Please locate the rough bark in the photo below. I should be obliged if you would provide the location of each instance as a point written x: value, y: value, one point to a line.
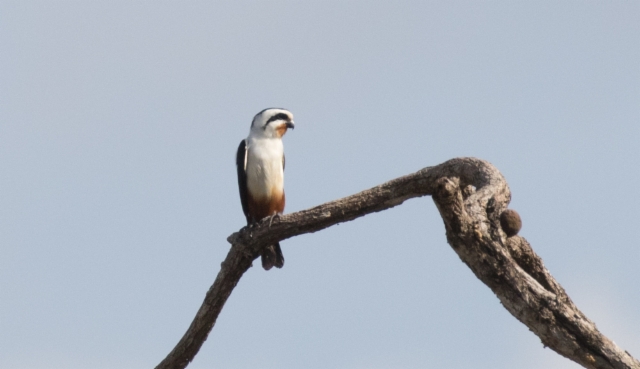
x: 470, y: 195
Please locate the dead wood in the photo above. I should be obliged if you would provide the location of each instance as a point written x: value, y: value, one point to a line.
x: 471, y: 195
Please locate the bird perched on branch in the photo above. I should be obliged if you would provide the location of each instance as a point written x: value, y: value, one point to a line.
x: 260, y: 164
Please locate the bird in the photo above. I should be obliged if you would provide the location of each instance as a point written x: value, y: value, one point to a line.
x: 260, y: 164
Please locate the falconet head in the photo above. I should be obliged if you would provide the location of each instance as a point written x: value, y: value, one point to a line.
x: 271, y: 123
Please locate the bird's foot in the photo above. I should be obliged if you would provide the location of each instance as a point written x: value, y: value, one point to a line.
x: 276, y: 215
x: 251, y: 226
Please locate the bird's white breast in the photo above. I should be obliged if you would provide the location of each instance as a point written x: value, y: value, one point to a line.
x: 265, y: 174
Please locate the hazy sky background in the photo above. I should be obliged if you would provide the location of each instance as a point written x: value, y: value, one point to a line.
x: 119, y: 123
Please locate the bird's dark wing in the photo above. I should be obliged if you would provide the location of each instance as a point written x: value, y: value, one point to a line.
x: 283, y: 162
x: 241, y: 159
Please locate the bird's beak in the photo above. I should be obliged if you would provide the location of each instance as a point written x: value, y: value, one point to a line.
x: 290, y: 125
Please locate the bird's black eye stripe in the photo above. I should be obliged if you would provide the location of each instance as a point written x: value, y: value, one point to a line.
x: 279, y: 116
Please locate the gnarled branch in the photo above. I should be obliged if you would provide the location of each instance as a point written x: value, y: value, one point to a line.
x: 471, y: 195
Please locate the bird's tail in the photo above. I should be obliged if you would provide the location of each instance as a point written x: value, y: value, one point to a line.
x: 272, y: 257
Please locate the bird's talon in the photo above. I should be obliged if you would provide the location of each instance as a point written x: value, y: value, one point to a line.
x: 276, y: 215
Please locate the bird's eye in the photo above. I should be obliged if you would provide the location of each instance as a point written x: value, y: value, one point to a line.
x: 279, y: 116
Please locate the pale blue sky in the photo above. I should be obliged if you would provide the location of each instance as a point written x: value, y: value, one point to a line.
x: 119, y: 123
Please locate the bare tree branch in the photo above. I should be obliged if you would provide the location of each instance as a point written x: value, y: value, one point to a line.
x: 471, y: 195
